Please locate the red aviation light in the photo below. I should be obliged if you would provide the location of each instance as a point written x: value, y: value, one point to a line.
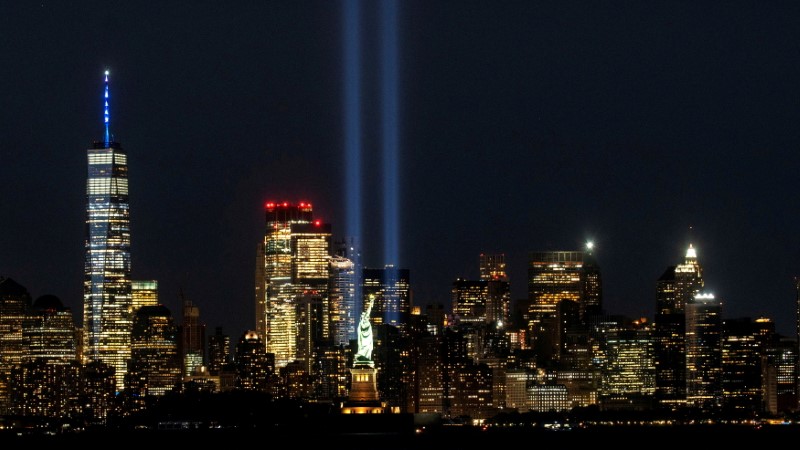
x: 269, y: 205
x: 285, y: 204
x: 317, y: 223
x: 302, y: 204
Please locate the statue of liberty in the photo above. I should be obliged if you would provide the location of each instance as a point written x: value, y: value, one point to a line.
x: 364, y: 353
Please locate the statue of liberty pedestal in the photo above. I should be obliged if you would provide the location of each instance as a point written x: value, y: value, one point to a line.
x: 364, y: 354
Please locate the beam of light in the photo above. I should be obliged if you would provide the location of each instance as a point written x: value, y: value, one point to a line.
x: 390, y: 133
x: 351, y: 43
x: 106, y: 116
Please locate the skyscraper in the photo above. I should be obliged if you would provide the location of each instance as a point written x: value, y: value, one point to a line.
x: 296, y: 250
x: 676, y: 287
x: 49, y: 332
x: 342, y: 300
x: 154, y: 368
x: 392, y: 294
x: 703, y: 350
x: 469, y: 300
x: 14, y: 302
x: 219, y: 351
x: 107, y: 315
x: 144, y: 293
x: 552, y: 278
x: 193, y: 337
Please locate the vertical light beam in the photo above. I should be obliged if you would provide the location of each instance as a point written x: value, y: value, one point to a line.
x: 389, y: 128
x: 390, y: 133
x: 351, y: 43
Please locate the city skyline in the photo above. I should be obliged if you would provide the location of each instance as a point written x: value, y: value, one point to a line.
x: 549, y: 180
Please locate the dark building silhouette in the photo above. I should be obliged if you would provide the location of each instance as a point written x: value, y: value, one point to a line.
x: 253, y: 367
x: 154, y: 368
x: 192, y: 337
x: 219, y: 351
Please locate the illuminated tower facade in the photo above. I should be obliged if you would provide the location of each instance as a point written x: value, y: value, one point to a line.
x: 144, y: 293
x: 703, y: 350
x: 193, y: 337
x: 390, y: 286
x: 154, y: 367
x: 107, y: 317
x: 293, y: 261
x: 14, y: 302
x: 554, y: 277
x: 49, y: 332
x: 498, y: 301
x: 469, y: 300
x: 342, y: 300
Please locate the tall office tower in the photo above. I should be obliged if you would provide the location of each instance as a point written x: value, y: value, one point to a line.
x: 98, y: 390
x: 744, y: 344
x: 296, y: 250
x: 193, y: 338
x: 330, y: 377
x: 472, y: 392
x: 107, y: 317
x: 688, y: 279
x: 552, y: 278
x: 253, y: 369
x: 592, y: 301
x: 309, y: 314
x: 219, y: 351
x: 342, y: 301
x: 391, y: 358
x: 493, y: 267
x: 779, y: 376
x: 629, y: 375
x: 350, y: 248
x: 48, y: 331
x: 469, y: 299
x: 144, y: 293
x: 154, y: 368
x: 430, y: 374
x: 703, y: 350
x: 392, y: 294
x: 14, y: 302
x: 498, y: 300
x: 670, y: 343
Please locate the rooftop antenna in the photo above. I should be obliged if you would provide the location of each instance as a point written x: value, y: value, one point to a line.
x: 106, y: 116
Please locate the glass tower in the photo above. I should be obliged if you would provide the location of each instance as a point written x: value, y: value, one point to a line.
x: 107, y: 303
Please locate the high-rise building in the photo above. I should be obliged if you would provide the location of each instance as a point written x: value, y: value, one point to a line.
x: 310, y: 324
x: 703, y: 350
x: 219, y: 351
x: 144, y: 293
x: 552, y: 278
x: 744, y: 345
x: 253, y: 366
x: 48, y: 332
x: 342, y: 301
x: 390, y: 286
x: 14, y: 302
x: 107, y: 317
x: 676, y: 287
x: 430, y: 375
x: 193, y: 337
x: 154, y: 368
x: 493, y: 267
x: 779, y: 376
x: 46, y: 388
x: 629, y: 371
x: 469, y: 299
x: 296, y: 250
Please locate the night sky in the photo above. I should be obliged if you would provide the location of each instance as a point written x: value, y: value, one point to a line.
x: 524, y: 126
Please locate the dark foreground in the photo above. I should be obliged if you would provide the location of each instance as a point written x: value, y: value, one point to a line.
x: 453, y: 437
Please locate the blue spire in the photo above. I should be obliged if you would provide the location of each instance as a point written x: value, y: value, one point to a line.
x: 106, y: 115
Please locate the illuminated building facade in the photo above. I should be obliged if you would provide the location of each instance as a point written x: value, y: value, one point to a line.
x: 430, y: 375
x: 342, y: 300
x: 554, y: 277
x: 254, y: 368
x: 548, y: 397
x: 98, y: 389
x: 703, y: 351
x: 744, y: 344
x: 293, y: 259
x: 630, y: 364
x: 192, y: 338
x: 392, y: 294
x: 471, y: 391
x: 219, y: 351
x: 154, y: 368
x: 517, y: 381
x: 49, y: 332
x: 330, y: 377
x: 107, y: 317
x: 780, y: 376
x: 144, y: 293
x: 47, y: 388
x: 14, y: 302
x: 469, y: 299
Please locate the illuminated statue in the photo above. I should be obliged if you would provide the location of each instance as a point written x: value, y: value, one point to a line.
x: 364, y: 353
